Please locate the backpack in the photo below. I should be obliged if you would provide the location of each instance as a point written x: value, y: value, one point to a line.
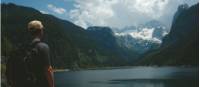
x: 19, y: 70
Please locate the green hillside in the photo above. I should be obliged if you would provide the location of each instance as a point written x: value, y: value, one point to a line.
x: 71, y: 46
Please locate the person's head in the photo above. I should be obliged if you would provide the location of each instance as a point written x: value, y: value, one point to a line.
x: 35, y: 27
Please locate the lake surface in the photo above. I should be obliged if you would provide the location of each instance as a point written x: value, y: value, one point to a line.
x: 129, y: 77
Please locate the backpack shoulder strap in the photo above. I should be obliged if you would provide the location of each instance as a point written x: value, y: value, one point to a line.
x: 34, y: 44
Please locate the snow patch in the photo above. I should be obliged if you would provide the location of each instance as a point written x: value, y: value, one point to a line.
x: 143, y: 34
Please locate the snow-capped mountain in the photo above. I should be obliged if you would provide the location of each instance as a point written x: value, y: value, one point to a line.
x: 143, y: 37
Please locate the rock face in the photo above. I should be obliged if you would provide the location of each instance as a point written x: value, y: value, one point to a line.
x: 180, y: 46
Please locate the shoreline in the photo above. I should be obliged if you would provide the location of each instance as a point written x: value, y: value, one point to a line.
x: 120, y: 67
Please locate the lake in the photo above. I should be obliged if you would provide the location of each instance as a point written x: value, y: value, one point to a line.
x: 130, y: 77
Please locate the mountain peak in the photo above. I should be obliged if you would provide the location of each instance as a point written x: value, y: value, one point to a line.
x: 183, y: 6
x: 100, y: 29
x: 180, y: 9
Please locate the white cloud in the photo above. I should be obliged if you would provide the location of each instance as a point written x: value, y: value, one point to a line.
x: 55, y: 9
x: 122, y: 13
x: 44, y: 12
x: 151, y: 8
x: 68, y: 0
x: 95, y: 12
x: 115, y: 13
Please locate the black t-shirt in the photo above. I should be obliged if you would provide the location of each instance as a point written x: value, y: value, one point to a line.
x: 43, y: 54
x: 41, y: 62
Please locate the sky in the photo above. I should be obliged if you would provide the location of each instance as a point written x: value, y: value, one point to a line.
x: 112, y: 13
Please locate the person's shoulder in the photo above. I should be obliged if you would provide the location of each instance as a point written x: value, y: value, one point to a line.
x: 42, y: 45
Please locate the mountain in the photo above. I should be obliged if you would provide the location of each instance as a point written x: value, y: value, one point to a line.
x: 142, y: 38
x: 180, y: 46
x: 181, y: 8
x: 70, y: 45
x: 105, y: 38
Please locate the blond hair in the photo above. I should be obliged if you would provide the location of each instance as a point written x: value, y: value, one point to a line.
x: 35, y: 25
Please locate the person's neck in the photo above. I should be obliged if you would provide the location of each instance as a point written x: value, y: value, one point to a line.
x: 36, y: 39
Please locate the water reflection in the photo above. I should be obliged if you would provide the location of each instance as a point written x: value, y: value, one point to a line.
x: 132, y: 77
x: 155, y: 83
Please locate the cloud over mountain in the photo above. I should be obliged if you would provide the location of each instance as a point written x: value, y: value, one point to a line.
x: 122, y: 13
x: 56, y: 9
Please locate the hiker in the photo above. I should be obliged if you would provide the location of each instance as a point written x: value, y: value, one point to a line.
x: 33, y: 69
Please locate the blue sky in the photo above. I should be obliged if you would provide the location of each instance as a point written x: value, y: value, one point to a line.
x: 47, y: 6
x: 112, y: 13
